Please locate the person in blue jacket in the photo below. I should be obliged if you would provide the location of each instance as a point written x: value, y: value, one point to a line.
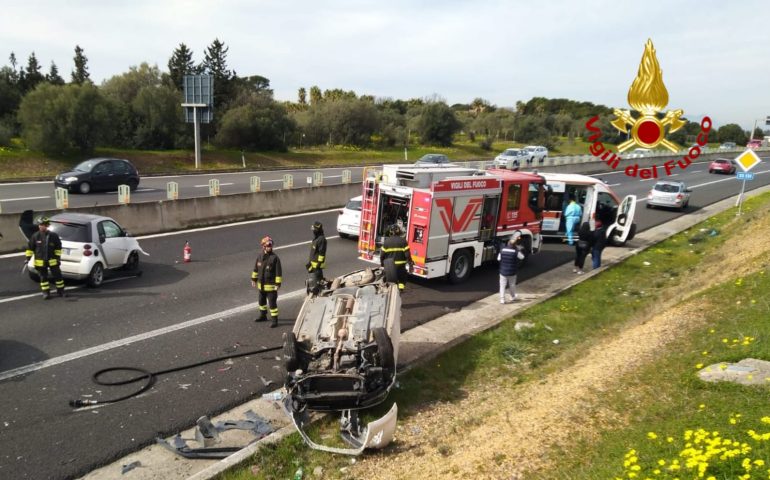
x: 510, y: 257
x: 572, y: 215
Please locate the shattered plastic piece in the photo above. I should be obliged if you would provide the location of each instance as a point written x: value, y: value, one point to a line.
x: 265, y: 381
x: 555, y: 341
x: 205, y: 433
x: 180, y: 447
x: 523, y: 325
x: 547, y: 327
x: 128, y: 467
x: 646, y: 263
x: 184, y: 386
x: 223, y: 369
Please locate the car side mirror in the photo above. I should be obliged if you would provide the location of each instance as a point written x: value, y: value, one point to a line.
x: 126, y: 234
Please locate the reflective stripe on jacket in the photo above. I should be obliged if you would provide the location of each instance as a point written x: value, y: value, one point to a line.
x: 395, y: 247
x: 267, y: 272
x: 317, y: 253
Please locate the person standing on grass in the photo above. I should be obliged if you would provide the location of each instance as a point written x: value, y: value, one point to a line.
x: 599, y: 237
x: 510, y: 257
x: 582, y: 247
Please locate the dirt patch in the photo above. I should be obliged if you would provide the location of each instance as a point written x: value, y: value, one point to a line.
x: 503, y: 432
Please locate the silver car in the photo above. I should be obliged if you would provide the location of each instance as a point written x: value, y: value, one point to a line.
x: 667, y: 193
x: 511, y: 159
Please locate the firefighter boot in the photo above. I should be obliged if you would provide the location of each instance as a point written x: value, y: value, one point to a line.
x: 47, y: 295
x: 274, y: 323
x: 262, y: 317
x: 61, y: 292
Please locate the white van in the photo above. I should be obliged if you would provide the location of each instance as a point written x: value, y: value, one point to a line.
x: 594, y: 196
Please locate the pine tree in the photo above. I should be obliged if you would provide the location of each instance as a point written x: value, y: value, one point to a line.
x: 215, y: 64
x: 80, y: 74
x: 180, y: 64
x: 32, y: 75
x: 53, y: 76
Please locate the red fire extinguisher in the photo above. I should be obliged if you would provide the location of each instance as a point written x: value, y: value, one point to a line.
x: 187, y: 255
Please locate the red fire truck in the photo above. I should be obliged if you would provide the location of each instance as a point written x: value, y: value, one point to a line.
x: 455, y: 218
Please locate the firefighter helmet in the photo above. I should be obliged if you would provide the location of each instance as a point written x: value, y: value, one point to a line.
x: 317, y: 226
x: 267, y: 241
x: 43, y: 220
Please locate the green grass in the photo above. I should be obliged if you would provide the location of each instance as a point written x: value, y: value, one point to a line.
x: 665, y: 397
x: 18, y: 162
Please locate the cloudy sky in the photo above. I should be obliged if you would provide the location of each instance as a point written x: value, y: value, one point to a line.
x: 714, y: 54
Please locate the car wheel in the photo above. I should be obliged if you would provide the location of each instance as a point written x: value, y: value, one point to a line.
x: 96, y: 277
x: 34, y: 276
x: 290, y: 360
x: 384, y: 349
x: 711, y: 171
x: 649, y: 206
x: 84, y: 188
x: 461, y: 266
x: 132, y: 184
x: 343, y: 235
x: 132, y: 263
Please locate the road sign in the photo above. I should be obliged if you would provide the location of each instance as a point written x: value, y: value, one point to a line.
x: 255, y: 183
x: 214, y: 187
x: 172, y: 191
x: 767, y: 120
x: 747, y: 160
x: 198, y: 93
x: 744, y: 176
x: 124, y: 194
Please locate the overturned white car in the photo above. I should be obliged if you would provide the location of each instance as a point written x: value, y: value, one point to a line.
x: 341, y: 356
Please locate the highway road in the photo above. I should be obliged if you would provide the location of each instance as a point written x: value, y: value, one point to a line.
x: 178, y: 313
x: 17, y: 197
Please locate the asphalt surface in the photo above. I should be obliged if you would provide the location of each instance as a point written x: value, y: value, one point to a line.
x: 210, y: 303
x: 17, y: 197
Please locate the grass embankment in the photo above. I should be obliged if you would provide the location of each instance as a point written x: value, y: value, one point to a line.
x: 18, y: 162
x: 618, y: 395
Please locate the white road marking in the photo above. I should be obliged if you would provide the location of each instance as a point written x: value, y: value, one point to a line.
x: 20, y: 199
x: 696, y: 171
x: 614, y: 184
x: 136, y: 338
x: 221, y: 185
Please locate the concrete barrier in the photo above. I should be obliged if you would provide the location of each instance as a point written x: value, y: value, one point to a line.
x: 164, y: 216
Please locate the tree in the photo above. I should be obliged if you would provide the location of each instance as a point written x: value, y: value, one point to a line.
x: 215, y: 64
x: 437, y: 124
x: 302, y: 96
x: 57, y: 119
x: 180, y: 64
x: 158, y: 115
x: 758, y: 134
x: 53, y: 76
x: 316, y: 96
x: 80, y: 74
x: 32, y: 75
x: 260, y: 123
x: 732, y: 132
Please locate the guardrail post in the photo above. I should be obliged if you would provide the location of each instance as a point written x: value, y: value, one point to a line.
x: 255, y: 184
x: 214, y: 187
x: 172, y: 191
x: 288, y: 181
x: 347, y: 176
x: 318, y: 179
x: 62, y: 197
x: 124, y: 194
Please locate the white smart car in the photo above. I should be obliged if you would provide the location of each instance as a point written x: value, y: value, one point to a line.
x: 349, y: 221
x: 91, y: 245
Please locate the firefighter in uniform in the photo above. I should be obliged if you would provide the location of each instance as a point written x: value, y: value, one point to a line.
x: 317, y: 261
x: 395, y: 256
x: 46, y: 246
x: 267, y: 278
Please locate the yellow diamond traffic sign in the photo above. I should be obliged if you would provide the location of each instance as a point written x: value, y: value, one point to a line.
x: 747, y: 160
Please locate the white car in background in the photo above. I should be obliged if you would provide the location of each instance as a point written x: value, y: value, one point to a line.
x: 667, y: 193
x: 536, y: 153
x: 349, y: 221
x: 91, y: 245
x: 639, y: 153
x: 511, y: 159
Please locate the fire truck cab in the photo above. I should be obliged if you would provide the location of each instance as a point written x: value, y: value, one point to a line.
x: 455, y: 218
x: 597, y: 200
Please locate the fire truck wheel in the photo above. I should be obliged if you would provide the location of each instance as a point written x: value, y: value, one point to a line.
x: 461, y: 266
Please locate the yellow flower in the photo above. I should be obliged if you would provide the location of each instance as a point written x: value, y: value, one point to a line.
x: 699, y: 366
x: 652, y: 435
x: 701, y: 406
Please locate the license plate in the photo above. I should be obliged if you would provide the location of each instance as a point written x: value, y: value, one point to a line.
x: 65, y: 251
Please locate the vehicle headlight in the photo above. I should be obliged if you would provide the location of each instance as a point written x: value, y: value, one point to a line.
x: 70, y: 179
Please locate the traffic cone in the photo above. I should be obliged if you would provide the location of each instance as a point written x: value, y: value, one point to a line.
x: 187, y: 252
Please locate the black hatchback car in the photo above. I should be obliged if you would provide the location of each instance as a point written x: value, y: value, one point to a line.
x: 99, y: 174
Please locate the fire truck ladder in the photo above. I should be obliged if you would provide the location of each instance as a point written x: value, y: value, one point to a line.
x: 366, y: 240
